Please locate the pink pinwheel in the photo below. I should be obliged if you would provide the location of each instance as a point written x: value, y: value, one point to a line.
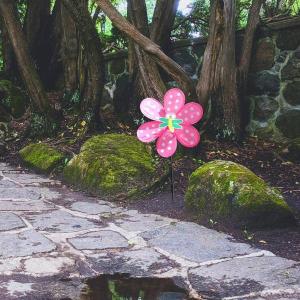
x: 171, y: 122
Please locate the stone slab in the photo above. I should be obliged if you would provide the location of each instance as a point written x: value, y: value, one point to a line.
x: 94, y: 208
x: 8, y: 184
x: 99, y: 240
x: 20, y: 193
x: 195, y: 242
x: 242, y: 276
x: 141, y: 262
x: 9, y: 221
x: 8, y: 205
x: 60, y: 221
x: 27, y: 179
x: 24, y: 244
x: 137, y: 222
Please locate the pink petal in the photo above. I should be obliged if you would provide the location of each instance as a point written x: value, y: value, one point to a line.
x: 191, y: 113
x: 166, y: 144
x: 149, y: 131
x: 174, y: 100
x: 188, y: 136
x: 152, y: 109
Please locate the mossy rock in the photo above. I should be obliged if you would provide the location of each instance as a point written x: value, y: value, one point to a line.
x: 115, y: 166
x: 224, y: 190
x: 42, y: 157
x: 13, y: 98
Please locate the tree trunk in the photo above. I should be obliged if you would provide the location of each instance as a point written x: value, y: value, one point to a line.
x: 69, y: 50
x: 163, y: 21
x: 217, y: 81
x: 148, y: 82
x: 148, y: 46
x: 245, y: 59
x: 95, y: 61
x: 25, y: 63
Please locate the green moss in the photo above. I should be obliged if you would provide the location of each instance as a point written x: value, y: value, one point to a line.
x: 223, y: 189
x: 114, y: 165
x: 14, y: 99
x: 41, y: 157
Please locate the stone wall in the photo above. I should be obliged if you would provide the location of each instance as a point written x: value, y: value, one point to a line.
x: 274, y: 81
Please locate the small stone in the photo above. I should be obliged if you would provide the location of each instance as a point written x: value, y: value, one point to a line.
x: 288, y: 123
x: 291, y: 70
x: 291, y: 93
x: 288, y: 39
x: 92, y: 208
x: 99, y: 240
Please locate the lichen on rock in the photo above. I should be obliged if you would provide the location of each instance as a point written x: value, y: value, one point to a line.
x: 42, y: 157
x: 113, y: 166
x: 229, y: 191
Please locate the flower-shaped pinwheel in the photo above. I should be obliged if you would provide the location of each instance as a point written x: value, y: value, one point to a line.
x: 171, y: 122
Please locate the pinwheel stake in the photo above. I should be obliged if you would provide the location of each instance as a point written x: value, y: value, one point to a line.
x: 171, y: 122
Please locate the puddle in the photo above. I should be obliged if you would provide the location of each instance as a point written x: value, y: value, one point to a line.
x: 125, y: 288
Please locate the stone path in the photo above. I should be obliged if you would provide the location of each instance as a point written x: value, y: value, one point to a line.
x: 52, y: 238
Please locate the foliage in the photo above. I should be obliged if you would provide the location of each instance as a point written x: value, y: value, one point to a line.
x: 41, y: 126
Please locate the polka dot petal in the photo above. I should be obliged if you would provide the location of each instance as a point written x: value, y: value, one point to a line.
x: 166, y: 144
x: 152, y: 109
x: 188, y: 136
x: 191, y: 113
x: 149, y: 131
x: 174, y: 100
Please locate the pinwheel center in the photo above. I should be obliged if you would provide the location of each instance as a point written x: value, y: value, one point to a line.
x: 170, y: 122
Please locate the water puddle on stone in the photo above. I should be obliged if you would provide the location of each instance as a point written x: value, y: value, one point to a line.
x: 125, y: 288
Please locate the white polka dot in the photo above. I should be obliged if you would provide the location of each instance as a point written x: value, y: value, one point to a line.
x: 186, y: 112
x: 147, y: 135
x: 177, y: 100
x: 170, y: 142
x: 198, y: 113
x: 168, y: 109
x: 191, y: 108
x: 187, y: 131
x: 169, y: 102
x: 176, y: 107
x: 178, y: 94
x: 162, y: 150
x: 171, y: 96
x: 169, y: 148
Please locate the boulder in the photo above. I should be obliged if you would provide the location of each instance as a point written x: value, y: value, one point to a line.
x: 288, y: 123
x: 13, y: 98
x: 291, y: 93
x: 264, y: 83
x: 229, y: 191
x: 115, y: 166
x: 264, y: 107
x: 264, y: 55
x: 42, y: 157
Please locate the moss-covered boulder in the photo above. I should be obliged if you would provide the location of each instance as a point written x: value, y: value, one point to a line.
x: 42, y: 157
x: 115, y: 166
x: 224, y: 190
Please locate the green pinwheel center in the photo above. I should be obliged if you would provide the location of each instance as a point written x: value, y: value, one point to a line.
x: 171, y: 123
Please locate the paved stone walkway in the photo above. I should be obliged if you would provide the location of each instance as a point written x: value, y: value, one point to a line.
x: 51, y: 238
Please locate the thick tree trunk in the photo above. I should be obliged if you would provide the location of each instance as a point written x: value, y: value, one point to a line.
x: 69, y: 50
x: 25, y: 63
x: 171, y: 67
x: 217, y: 82
x: 163, y: 21
x: 95, y: 61
x: 148, y: 82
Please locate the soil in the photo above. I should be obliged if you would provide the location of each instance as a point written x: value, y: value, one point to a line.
x: 261, y: 157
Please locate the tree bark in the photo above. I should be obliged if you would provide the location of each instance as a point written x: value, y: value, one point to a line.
x: 217, y: 81
x: 69, y: 50
x: 148, y: 82
x: 245, y: 59
x: 25, y: 63
x: 163, y: 21
x: 95, y: 61
x: 148, y: 46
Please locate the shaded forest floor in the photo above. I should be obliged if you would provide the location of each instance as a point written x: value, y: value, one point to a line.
x: 261, y: 157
